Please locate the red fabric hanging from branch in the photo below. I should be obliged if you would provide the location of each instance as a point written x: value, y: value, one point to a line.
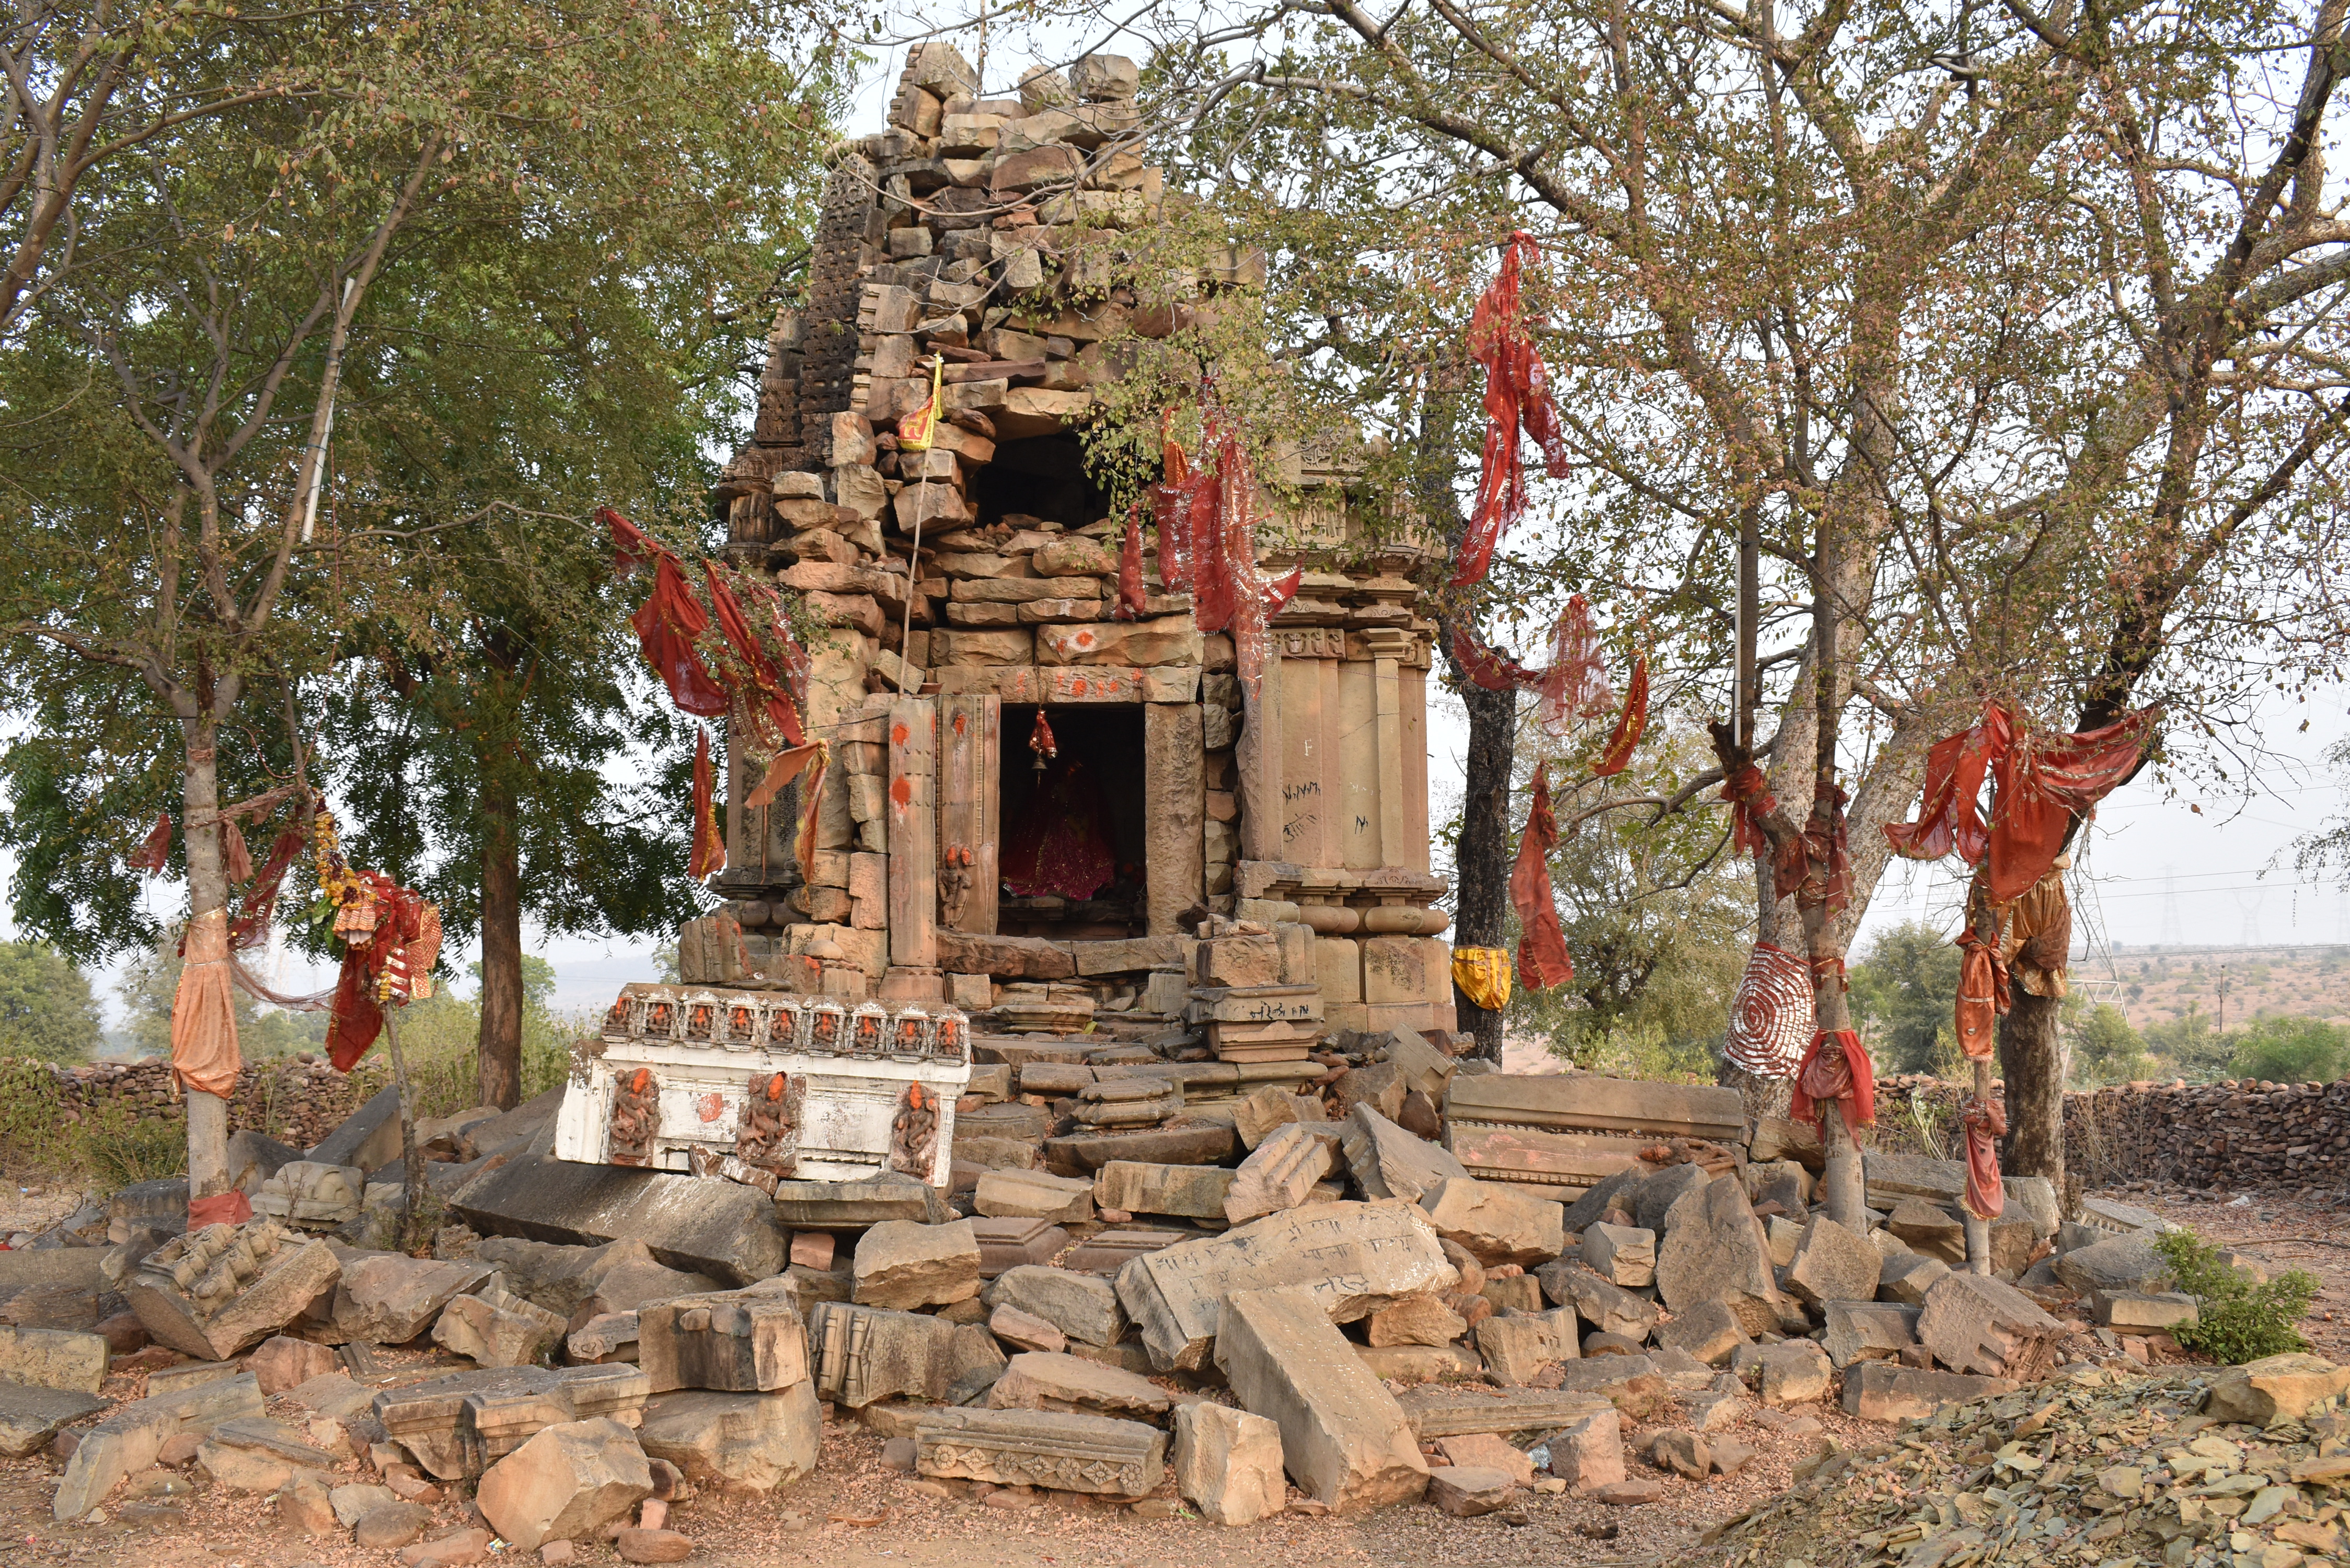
x: 1543, y: 958
x: 1490, y: 668
x: 775, y: 709
x: 1985, y: 1123
x: 1576, y: 684
x: 155, y: 850
x: 709, y: 842
x: 1629, y: 725
x: 1835, y: 1068
x: 1517, y: 398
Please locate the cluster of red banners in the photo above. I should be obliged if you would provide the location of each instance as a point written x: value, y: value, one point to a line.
x: 1206, y: 518
x: 750, y: 685
x: 1517, y: 404
x: 1574, y: 687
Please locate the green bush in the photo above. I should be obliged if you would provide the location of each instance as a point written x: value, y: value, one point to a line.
x: 2236, y: 1320
x: 2290, y: 1050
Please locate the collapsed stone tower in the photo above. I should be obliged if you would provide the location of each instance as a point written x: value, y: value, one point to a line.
x: 984, y: 232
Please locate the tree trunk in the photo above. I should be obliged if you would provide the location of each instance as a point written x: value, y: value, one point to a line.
x: 207, y: 891
x: 1482, y: 865
x: 2031, y: 1060
x: 500, y: 1049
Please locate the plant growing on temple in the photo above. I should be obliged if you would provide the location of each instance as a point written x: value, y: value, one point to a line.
x: 255, y: 294
x: 2236, y: 1320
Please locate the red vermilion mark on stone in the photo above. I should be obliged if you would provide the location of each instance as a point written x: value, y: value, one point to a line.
x: 1077, y: 687
x: 711, y: 1106
x: 898, y: 736
x: 902, y: 790
x: 960, y: 719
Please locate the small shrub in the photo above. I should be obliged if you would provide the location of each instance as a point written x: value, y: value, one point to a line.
x: 2236, y: 1320
x: 116, y: 1149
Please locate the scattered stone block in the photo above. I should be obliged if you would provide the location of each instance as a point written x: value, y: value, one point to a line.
x: 31, y: 1414
x: 565, y: 1483
x: 1833, y: 1265
x: 1034, y: 1195
x: 1975, y: 1324
x: 1880, y: 1391
x: 1488, y: 1451
x: 355, y: 1502
x: 1388, y: 1161
x: 2129, y: 1313
x: 1419, y: 1362
x: 1279, y: 1174
x: 640, y: 1545
x: 1728, y: 1456
x: 1188, y: 1191
x: 901, y: 1266
x: 1083, y: 1306
x: 1930, y: 1229
x: 733, y: 1233
x: 1683, y: 1453
x: 736, y: 1442
x: 1650, y: 1200
x: 2274, y: 1389
x: 2119, y: 1265
x: 1011, y: 1243
x: 1025, y: 1331
x: 1714, y: 1251
x: 1270, y: 1108
x: 252, y: 1453
x: 1467, y: 1491
x: 1869, y: 1331
x: 52, y: 1359
x: 461, y: 1425
x: 1417, y: 1320
x: 813, y: 1250
x: 1621, y: 1254
x: 497, y: 1328
x: 1794, y: 1372
x: 311, y: 1194
x: 1589, y: 1452
x: 606, y: 1337
x: 1514, y: 1292
x: 577, y: 1284
x: 306, y: 1505
x: 1228, y: 1463
x: 1495, y: 1224
x: 1517, y: 1347
x: 862, y: 1355
x: 385, y: 1298
x: 1354, y: 1258
x: 1036, y: 1380
x: 392, y: 1526
x: 1344, y: 1437
x: 1628, y: 1493
x: 1066, y: 1452
x: 280, y: 1362
x: 1708, y: 1330
x: 213, y: 1293
x: 1608, y: 1307
x: 1906, y: 1277
x: 738, y: 1342
x: 1436, y: 1413
x: 129, y: 1439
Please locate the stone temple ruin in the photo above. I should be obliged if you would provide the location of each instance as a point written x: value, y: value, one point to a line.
x: 1172, y: 1192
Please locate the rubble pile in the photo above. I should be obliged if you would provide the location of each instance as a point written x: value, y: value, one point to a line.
x: 2196, y: 1469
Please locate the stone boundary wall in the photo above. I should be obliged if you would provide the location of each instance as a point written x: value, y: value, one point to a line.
x: 297, y: 1099
x: 2231, y: 1135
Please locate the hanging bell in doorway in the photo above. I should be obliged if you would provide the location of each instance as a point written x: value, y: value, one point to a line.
x: 1041, y: 741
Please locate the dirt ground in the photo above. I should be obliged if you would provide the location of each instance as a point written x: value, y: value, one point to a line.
x: 853, y: 1512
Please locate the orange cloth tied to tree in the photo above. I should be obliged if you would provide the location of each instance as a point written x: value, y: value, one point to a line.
x: 1985, y: 1123
x: 1517, y: 399
x: 1484, y: 976
x: 1836, y: 1067
x: 1982, y: 997
x: 204, y: 1016
x: 1543, y: 959
x: 1630, y: 726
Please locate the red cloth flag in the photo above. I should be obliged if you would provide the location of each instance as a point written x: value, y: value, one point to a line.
x: 1517, y: 397
x: 1835, y: 1068
x: 1543, y: 958
x: 1630, y: 726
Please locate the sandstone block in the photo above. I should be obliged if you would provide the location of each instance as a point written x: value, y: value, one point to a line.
x: 1608, y: 1307
x: 737, y: 1442
x: 129, y: 1437
x: 387, y: 1299
x: 1418, y: 1320
x: 279, y: 1364
x: 1906, y: 1277
x: 52, y: 1359
x: 1228, y: 1463
x: 1034, y: 1195
x: 736, y: 1341
x: 30, y: 1416
x: 1025, y: 1331
x: 1343, y: 1436
x: 1519, y: 1346
x: 1465, y: 1492
x: 1714, y: 1251
x: 1281, y: 1172
x: 1189, y: 1191
x: 565, y: 1483
x: 1869, y: 1331
x: 1083, y: 1306
x: 1621, y: 1254
x: 2123, y: 1264
x: 1389, y: 1162
x: 1879, y: 1391
x: 2274, y: 1389
x: 1495, y: 1224
x: 1036, y: 1380
x: 1793, y: 1372
x: 1589, y: 1453
x: 1489, y: 1450
x: 904, y: 1265
x: 497, y: 1328
x: 1708, y: 1330
x: 1063, y: 1451
x: 1833, y: 1265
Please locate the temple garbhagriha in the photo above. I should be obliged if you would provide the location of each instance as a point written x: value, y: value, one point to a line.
x: 1032, y: 804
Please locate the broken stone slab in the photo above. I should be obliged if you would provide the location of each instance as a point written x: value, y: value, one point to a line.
x: 1007, y: 1244
x: 1024, y: 1331
x: 1906, y: 1277
x: 1034, y: 1195
x: 1488, y: 1451
x: 1880, y: 1391
x: 461, y: 1425
x: 607, y: 1338
x: 1195, y: 1143
x: 1468, y: 1491
x: 1929, y: 1227
x: 1042, y: 1380
x: 900, y: 1266
x: 212, y: 1293
x: 862, y: 1355
x: 1784, y: 1237
x: 1270, y: 1108
x: 577, y: 1284
x: 1714, y: 1251
x: 2275, y: 1389
x: 1355, y: 1258
x: 1495, y: 1224
x: 971, y: 1360
x: 736, y: 1442
x: 1975, y: 1324
x: 1228, y: 1463
x: 1415, y: 1320
x: 1189, y: 1191
x: 128, y: 1440
x: 1419, y: 1362
x: 2125, y: 1312
x: 31, y: 1413
x: 52, y: 1359
x: 1517, y: 1346
x: 1890, y: 1177
x: 722, y: 1228
x: 1653, y: 1198
x: 1107, y: 1252
x: 1435, y: 1412
x: 1282, y: 1171
x: 1607, y: 1307
x: 281, y: 1363
x: 368, y: 1138
x: 1343, y: 1438
x: 1056, y: 1450
x: 854, y: 1205
x: 252, y: 1453
x: 1869, y: 1331
x: 1587, y: 1102
x: 1085, y: 1307
x: 386, y: 1298
x: 2123, y: 1264
x: 1588, y: 1453
x: 1386, y: 1161
x: 1622, y: 1254
x: 1794, y: 1372
x: 734, y: 1341
x: 1782, y: 1182
x: 497, y: 1328
x: 1709, y: 1331
x: 565, y: 1483
x: 1833, y: 1265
